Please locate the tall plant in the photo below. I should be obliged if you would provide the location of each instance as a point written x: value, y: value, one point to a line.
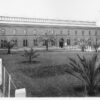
x: 30, y: 54
x: 96, y: 45
x: 83, y: 47
x: 88, y: 71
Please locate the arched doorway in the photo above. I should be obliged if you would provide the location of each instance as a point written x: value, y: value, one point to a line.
x: 61, y: 43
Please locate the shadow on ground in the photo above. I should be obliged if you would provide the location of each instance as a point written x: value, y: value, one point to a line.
x: 32, y: 62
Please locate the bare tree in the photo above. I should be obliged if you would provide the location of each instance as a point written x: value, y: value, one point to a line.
x: 9, y: 45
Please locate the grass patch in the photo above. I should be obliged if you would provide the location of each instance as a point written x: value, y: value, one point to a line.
x: 44, y: 71
x: 46, y: 77
x: 32, y: 62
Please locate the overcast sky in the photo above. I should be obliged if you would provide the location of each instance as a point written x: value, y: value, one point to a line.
x: 56, y: 9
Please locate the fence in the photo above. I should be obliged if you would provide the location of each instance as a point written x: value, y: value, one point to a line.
x: 9, y: 88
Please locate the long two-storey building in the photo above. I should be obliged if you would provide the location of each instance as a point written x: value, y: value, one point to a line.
x: 33, y: 32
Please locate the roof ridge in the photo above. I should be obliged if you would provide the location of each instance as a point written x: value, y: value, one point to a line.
x: 48, y: 19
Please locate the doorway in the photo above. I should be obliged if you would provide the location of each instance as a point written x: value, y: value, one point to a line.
x: 61, y: 43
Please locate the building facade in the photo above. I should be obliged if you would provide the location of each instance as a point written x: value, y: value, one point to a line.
x: 32, y: 32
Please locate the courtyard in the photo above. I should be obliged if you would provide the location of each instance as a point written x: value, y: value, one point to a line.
x: 45, y: 76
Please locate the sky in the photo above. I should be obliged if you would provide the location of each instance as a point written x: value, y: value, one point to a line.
x: 85, y: 10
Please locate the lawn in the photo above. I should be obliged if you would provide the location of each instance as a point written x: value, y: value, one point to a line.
x: 46, y: 76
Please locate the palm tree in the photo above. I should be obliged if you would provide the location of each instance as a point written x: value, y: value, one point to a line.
x: 87, y: 71
x: 30, y: 54
x: 96, y: 45
x: 83, y: 47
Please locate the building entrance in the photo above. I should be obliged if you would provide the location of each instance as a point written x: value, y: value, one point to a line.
x: 61, y: 43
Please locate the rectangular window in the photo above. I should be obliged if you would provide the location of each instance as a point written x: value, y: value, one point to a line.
x: 43, y: 42
x: 3, y: 43
x: 76, y: 33
x: 82, y: 33
x: 68, y: 32
x: 89, y: 33
x: 35, y: 42
x: 25, y: 43
x: 68, y: 41
x: 95, y: 33
x: 15, y: 41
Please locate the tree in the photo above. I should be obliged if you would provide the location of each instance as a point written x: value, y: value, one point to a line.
x: 46, y: 44
x: 96, y: 46
x: 83, y: 47
x: 88, y: 71
x: 9, y: 45
x: 30, y: 54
